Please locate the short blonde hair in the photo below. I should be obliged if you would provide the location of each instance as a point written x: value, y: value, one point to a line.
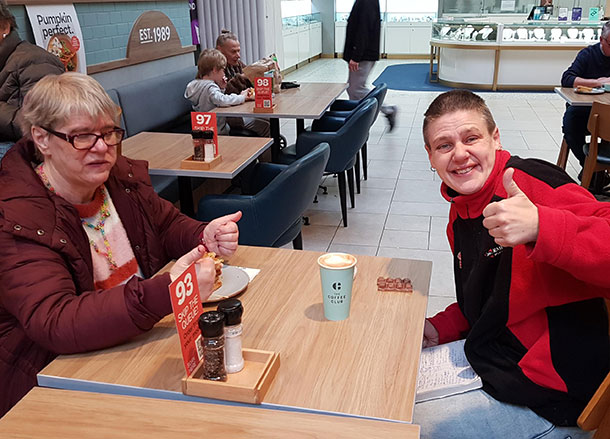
x: 57, y: 98
x: 209, y: 60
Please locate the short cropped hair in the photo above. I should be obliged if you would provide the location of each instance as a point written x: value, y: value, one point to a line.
x: 457, y: 100
x: 224, y: 36
x: 209, y: 60
x: 606, y: 30
x: 55, y: 99
x: 6, y: 16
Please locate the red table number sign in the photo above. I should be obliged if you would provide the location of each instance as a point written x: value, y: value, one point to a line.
x: 263, y: 91
x: 186, y: 303
x: 206, y: 122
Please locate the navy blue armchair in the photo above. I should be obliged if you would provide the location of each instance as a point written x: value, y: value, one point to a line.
x: 344, y: 143
x: 272, y: 217
x: 341, y: 110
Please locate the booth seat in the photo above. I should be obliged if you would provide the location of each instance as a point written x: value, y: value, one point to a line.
x: 157, y: 104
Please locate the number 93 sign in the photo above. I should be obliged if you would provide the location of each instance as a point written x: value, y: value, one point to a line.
x: 186, y: 303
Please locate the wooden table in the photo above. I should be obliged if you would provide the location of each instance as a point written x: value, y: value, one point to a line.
x: 66, y: 414
x: 165, y: 151
x: 364, y: 366
x: 309, y: 101
x: 579, y: 99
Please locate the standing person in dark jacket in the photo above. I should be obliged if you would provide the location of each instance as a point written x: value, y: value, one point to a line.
x: 362, y: 51
x: 591, y: 68
x: 530, y: 258
x: 83, y: 233
x: 22, y: 64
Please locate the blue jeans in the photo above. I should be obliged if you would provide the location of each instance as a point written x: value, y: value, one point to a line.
x: 575, y: 130
x: 476, y: 415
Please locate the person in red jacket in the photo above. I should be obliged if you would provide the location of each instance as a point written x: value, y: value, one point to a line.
x: 530, y: 264
x: 83, y: 233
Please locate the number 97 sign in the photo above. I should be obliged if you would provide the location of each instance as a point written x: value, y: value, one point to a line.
x: 186, y: 303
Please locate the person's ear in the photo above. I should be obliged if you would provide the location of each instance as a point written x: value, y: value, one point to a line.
x: 496, y: 138
x: 5, y: 29
x: 41, y: 139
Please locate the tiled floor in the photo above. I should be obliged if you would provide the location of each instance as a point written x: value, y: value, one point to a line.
x: 400, y: 212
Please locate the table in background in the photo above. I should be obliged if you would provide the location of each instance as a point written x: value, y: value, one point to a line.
x: 66, y: 414
x: 165, y: 151
x: 580, y: 99
x: 364, y: 366
x: 309, y: 101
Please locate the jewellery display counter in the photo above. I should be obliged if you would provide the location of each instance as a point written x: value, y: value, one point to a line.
x: 528, y: 55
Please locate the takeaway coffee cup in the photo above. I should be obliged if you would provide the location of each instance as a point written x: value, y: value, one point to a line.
x: 607, y: 87
x: 337, y: 276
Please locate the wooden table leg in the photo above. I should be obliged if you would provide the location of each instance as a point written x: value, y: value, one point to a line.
x: 274, y: 127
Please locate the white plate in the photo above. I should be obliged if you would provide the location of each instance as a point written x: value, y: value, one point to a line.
x: 234, y: 281
x: 595, y: 91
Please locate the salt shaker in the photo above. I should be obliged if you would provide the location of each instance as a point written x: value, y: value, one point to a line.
x: 211, y: 324
x: 232, y: 310
x: 208, y: 144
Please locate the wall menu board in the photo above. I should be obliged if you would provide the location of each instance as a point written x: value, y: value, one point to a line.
x: 152, y: 33
x: 56, y: 29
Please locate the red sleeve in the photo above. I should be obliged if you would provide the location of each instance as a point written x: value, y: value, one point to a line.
x: 574, y: 229
x: 450, y: 324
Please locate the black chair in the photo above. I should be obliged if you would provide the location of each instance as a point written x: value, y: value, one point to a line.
x: 340, y: 111
x: 344, y: 146
x: 272, y: 217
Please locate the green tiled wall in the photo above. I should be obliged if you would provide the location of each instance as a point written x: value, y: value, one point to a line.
x: 106, y: 26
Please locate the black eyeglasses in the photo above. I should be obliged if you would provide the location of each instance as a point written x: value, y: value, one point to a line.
x: 88, y: 140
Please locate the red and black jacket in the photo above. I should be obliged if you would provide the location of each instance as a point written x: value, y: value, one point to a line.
x: 534, y: 317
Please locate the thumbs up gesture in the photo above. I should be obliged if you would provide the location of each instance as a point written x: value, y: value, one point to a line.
x: 514, y: 220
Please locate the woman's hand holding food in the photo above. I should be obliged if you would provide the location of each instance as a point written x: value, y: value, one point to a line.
x: 248, y: 93
x: 205, y: 270
x: 514, y: 220
x: 220, y: 235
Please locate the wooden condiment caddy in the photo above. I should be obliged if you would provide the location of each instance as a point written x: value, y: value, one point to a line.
x: 249, y: 385
x: 198, y: 165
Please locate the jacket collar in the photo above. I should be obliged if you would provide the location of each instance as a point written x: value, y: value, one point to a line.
x: 471, y: 206
x: 8, y: 46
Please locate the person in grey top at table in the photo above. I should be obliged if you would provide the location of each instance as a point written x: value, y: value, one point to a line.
x: 362, y: 51
x: 206, y: 91
x: 591, y: 68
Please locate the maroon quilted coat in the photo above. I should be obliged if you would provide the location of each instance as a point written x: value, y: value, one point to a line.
x: 48, y: 304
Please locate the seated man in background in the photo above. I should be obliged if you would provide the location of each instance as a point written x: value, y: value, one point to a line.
x: 206, y: 92
x: 591, y: 68
x: 228, y: 44
x: 22, y: 65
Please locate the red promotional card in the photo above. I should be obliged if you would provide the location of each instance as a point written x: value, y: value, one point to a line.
x: 186, y: 303
x: 206, y: 122
x: 263, y: 90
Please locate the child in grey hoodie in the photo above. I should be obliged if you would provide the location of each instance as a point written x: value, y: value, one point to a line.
x: 206, y: 91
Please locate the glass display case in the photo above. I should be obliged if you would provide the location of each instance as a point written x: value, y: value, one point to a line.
x: 451, y: 30
x: 300, y: 20
x: 410, y: 17
x: 552, y: 32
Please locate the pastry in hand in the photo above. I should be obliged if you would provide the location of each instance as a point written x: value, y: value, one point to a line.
x: 218, y: 267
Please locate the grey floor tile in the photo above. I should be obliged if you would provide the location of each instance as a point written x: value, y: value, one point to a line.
x: 317, y: 238
x: 437, y: 304
x: 408, y: 222
x: 404, y: 239
x: 418, y: 191
x: 363, y: 229
x: 354, y: 249
x: 425, y: 209
x: 384, y: 168
x: 438, y: 234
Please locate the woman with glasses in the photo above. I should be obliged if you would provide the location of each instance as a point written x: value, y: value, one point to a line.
x: 83, y: 233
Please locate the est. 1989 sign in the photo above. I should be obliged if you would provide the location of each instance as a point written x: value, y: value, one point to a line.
x: 153, y: 31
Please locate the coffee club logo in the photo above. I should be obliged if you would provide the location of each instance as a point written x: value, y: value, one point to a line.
x: 337, y: 298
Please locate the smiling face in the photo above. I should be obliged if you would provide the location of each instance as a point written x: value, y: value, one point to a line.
x: 76, y: 174
x: 462, y: 149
